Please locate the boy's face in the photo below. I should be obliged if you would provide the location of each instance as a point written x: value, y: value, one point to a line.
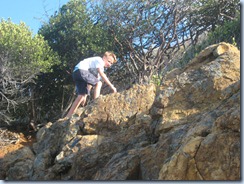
x: 108, y: 61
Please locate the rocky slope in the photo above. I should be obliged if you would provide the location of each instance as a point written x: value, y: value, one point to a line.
x: 186, y: 129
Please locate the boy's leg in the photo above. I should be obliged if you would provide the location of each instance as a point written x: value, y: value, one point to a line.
x: 97, y: 89
x: 82, y: 88
x: 83, y: 102
x: 75, y: 105
x: 89, y: 87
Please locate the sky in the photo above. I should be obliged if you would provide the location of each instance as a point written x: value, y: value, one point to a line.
x: 31, y: 12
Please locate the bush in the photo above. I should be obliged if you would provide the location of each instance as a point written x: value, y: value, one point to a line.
x: 230, y: 32
x: 22, y: 57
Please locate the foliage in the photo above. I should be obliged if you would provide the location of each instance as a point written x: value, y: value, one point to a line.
x: 149, y: 33
x: 207, y: 15
x: 29, y: 54
x: 142, y: 29
x: 72, y: 33
x: 22, y: 57
x: 229, y: 32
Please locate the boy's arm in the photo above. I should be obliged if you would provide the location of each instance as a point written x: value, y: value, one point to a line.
x: 105, y: 78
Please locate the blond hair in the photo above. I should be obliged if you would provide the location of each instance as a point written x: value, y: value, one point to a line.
x: 108, y: 53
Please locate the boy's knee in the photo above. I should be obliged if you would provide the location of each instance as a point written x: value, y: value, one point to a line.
x: 99, y: 83
x: 80, y: 96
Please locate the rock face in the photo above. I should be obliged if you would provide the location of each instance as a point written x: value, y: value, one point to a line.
x: 186, y: 129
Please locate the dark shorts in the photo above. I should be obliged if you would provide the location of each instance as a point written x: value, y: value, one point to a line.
x: 81, y: 79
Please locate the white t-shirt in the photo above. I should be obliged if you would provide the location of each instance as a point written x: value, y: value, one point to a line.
x: 91, y: 64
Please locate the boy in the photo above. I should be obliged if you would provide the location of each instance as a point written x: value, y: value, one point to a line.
x: 88, y: 73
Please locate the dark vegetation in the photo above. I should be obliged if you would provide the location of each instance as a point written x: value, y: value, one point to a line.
x: 149, y: 37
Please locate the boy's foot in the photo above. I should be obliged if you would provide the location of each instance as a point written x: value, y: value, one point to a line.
x: 64, y: 119
x: 81, y: 124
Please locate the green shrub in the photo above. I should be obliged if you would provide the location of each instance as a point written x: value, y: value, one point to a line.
x: 230, y: 32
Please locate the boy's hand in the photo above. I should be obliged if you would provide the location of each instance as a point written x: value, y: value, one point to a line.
x: 114, y: 89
